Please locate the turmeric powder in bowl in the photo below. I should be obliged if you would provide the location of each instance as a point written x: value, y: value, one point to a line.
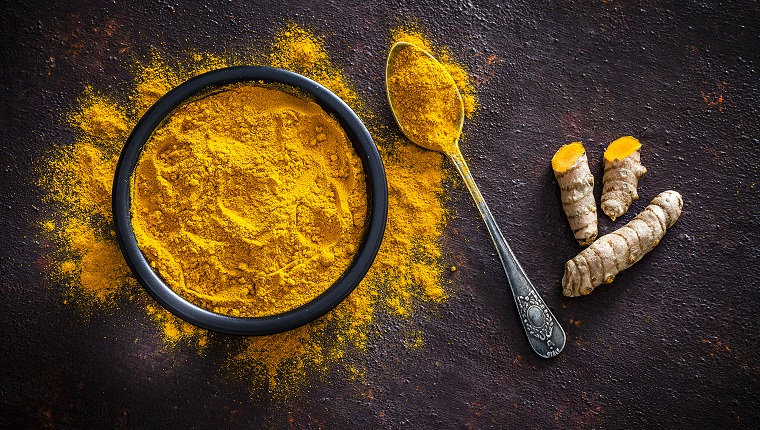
x: 251, y: 201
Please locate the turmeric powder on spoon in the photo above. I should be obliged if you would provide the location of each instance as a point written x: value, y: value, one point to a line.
x: 250, y: 201
x: 429, y: 120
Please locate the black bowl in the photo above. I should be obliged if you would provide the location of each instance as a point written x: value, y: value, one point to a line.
x: 377, y: 201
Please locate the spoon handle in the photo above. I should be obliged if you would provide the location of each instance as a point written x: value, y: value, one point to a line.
x: 543, y: 330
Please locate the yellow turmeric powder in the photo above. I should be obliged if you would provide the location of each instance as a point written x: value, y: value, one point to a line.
x: 425, y: 99
x: 79, y: 179
x: 411, y: 33
x: 404, y: 280
x: 249, y: 201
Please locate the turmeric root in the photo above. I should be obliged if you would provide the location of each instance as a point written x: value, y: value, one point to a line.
x: 619, y: 250
x: 622, y: 170
x: 576, y: 185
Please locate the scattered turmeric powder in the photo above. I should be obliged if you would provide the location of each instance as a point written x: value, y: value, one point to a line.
x: 619, y: 250
x: 298, y: 49
x: 407, y: 272
x: 78, y: 179
x: 249, y: 201
x: 576, y: 185
x: 622, y: 171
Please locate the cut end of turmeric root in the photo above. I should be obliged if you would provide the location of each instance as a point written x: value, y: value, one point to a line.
x: 622, y: 148
x: 567, y: 156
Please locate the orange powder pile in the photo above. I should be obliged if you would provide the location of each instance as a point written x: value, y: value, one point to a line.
x: 249, y: 201
x: 424, y: 99
x: 406, y: 274
x: 413, y: 34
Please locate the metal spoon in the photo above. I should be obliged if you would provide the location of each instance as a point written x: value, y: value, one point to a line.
x: 543, y: 330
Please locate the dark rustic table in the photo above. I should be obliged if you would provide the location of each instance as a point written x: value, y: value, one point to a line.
x: 673, y: 343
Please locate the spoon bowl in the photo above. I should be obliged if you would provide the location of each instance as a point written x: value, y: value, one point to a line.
x: 545, y: 335
x: 450, y: 141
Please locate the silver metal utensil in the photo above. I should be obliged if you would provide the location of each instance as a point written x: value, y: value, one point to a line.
x: 544, y: 332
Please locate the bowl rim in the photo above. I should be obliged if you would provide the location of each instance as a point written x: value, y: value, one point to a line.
x: 377, y: 202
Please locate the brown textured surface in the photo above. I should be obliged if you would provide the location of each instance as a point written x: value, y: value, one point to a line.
x: 672, y: 343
